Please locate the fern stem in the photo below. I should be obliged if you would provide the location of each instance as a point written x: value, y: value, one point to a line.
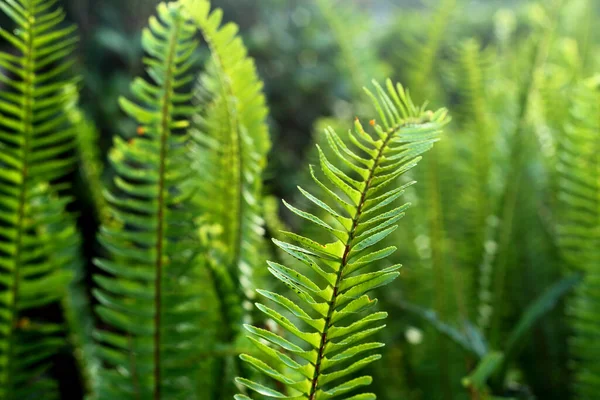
x: 164, y: 135
x: 340, y: 273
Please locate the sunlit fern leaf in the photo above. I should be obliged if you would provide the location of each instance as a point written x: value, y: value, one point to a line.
x: 579, y: 168
x: 329, y: 348
x: 147, y: 291
x: 35, y: 140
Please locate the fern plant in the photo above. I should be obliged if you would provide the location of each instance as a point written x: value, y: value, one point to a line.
x: 147, y: 291
x: 362, y: 208
x: 579, y: 234
x: 35, y: 144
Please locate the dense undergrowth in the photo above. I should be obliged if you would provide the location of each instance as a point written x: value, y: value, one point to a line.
x: 167, y: 230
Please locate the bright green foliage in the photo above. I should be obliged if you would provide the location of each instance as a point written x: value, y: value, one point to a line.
x: 579, y: 167
x: 35, y: 140
x: 362, y: 206
x: 147, y: 291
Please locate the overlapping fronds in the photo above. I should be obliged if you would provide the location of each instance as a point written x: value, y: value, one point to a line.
x: 35, y: 139
x: 579, y: 168
x: 147, y: 293
x: 329, y: 332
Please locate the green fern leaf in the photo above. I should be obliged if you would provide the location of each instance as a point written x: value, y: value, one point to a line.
x: 35, y: 140
x: 361, y: 204
x: 579, y: 235
x: 147, y: 293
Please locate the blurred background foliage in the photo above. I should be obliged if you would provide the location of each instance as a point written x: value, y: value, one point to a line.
x: 482, y: 243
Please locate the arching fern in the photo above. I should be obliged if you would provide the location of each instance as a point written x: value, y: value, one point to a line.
x: 364, y: 211
x: 35, y: 140
x: 147, y: 293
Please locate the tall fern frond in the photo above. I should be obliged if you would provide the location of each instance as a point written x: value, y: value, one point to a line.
x: 579, y: 168
x: 329, y: 333
x: 234, y: 140
x: 231, y: 154
x: 35, y: 140
x: 147, y: 292
x: 479, y: 196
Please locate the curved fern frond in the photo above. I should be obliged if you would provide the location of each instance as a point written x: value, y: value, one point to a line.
x: 329, y: 336
x: 35, y: 140
x: 147, y: 293
x: 579, y: 168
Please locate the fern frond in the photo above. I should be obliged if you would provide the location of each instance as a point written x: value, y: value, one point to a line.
x: 233, y: 137
x: 35, y: 140
x: 147, y: 293
x: 421, y: 58
x: 331, y: 334
x: 232, y: 145
x: 579, y: 235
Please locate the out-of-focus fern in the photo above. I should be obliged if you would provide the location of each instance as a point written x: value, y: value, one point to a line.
x: 579, y: 234
x: 147, y: 292
x: 421, y: 57
x: 521, y: 143
x: 358, y: 58
x: 362, y: 204
x: 35, y: 140
x: 90, y: 161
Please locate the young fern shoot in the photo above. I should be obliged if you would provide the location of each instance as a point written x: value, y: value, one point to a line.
x: 146, y: 293
x: 363, y: 208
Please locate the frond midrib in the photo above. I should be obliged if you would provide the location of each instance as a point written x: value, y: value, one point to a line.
x: 347, y: 248
x: 27, y: 104
x: 164, y: 136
